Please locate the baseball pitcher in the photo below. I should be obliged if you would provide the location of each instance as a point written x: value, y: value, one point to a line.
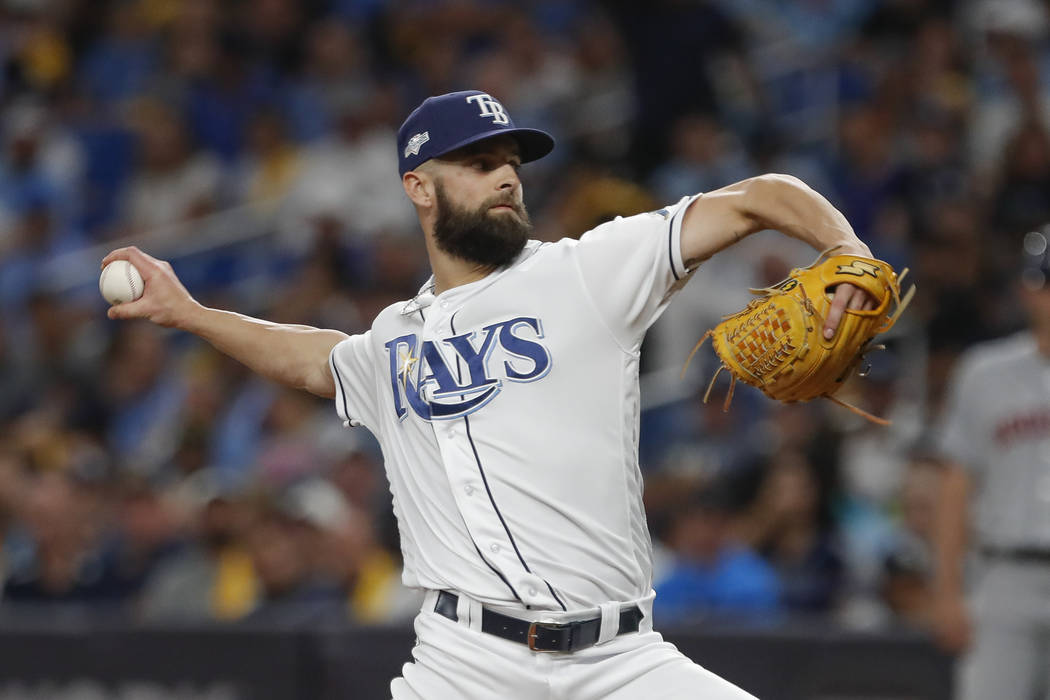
x: 505, y: 398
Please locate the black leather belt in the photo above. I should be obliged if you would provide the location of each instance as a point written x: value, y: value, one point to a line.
x: 1022, y: 554
x: 541, y: 636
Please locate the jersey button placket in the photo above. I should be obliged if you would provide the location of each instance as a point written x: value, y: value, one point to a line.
x: 462, y: 469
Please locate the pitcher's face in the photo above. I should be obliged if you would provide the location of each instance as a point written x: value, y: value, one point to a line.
x: 481, y: 216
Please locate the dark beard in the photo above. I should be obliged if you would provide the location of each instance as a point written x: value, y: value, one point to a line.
x: 490, y: 240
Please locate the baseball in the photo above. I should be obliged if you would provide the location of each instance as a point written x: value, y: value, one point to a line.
x: 120, y: 282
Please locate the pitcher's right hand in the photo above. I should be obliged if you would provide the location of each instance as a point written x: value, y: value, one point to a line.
x: 164, y: 301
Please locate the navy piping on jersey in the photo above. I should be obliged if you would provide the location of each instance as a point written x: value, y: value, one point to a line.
x: 492, y: 500
x: 670, y: 242
x: 501, y: 576
x: 551, y: 589
x: 342, y: 390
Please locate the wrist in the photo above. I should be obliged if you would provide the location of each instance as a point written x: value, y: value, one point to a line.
x: 190, y: 317
x: 853, y: 246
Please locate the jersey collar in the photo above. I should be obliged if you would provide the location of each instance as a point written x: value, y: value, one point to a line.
x: 425, y: 296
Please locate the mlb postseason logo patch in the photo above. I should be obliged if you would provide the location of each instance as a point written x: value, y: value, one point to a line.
x: 414, y: 143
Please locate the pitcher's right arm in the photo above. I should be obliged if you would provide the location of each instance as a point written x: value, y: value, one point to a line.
x: 293, y: 355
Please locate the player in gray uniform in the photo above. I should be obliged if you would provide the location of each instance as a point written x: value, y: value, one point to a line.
x: 995, y: 434
x: 505, y: 398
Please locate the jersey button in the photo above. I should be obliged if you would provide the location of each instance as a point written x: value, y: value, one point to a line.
x: 469, y: 490
x: 494, y: 547
x: 533, y: 592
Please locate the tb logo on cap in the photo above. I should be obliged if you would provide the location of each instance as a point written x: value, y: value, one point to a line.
x: 490, y: 108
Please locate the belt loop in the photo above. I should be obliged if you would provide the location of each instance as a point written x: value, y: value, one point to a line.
x: 610, y: 622
x: 463, y: 609
x: 475, y: 610
x: 646, y: 606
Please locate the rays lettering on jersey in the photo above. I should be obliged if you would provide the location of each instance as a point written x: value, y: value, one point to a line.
x: 450, y: 378
x: 1030, y: 425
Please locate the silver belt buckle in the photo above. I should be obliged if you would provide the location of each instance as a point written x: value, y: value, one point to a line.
x: 545, y: 625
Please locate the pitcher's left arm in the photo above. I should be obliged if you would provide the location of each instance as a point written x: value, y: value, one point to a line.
x: 784, y: 203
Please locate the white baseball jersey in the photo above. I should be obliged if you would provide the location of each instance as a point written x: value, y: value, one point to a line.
x: 507, y: 410
x: 997, y: 424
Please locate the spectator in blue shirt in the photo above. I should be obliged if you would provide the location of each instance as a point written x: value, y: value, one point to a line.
x: 712, y: 575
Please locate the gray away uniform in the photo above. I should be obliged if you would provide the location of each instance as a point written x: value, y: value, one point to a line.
x: 997, y: 427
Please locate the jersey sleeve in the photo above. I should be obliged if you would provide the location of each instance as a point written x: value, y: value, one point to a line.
x: 632, y: 265
x: 960, y: 435
x: 354, y: 371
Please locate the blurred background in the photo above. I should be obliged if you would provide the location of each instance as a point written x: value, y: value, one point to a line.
x: 148, y: 483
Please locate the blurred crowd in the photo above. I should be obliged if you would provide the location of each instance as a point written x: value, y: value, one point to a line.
x: 144, y: 475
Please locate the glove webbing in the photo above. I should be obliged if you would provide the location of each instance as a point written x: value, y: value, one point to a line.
x: 732, y: 387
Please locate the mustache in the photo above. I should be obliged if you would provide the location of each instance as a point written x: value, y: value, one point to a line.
x: 506, y: 200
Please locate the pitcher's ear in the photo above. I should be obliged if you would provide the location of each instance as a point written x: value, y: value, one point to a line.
x: 419, y: 187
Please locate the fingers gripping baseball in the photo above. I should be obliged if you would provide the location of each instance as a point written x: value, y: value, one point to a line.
x: 164, y: 300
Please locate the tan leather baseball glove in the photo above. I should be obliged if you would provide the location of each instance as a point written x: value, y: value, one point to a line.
x: 776, y: 343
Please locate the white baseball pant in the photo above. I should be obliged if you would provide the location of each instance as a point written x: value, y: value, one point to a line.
x: 457, y: 661
x: 1010, y: 658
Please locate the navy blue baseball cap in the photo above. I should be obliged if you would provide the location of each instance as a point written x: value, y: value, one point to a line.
x: 447, y: 122
x: 1035, y: 266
